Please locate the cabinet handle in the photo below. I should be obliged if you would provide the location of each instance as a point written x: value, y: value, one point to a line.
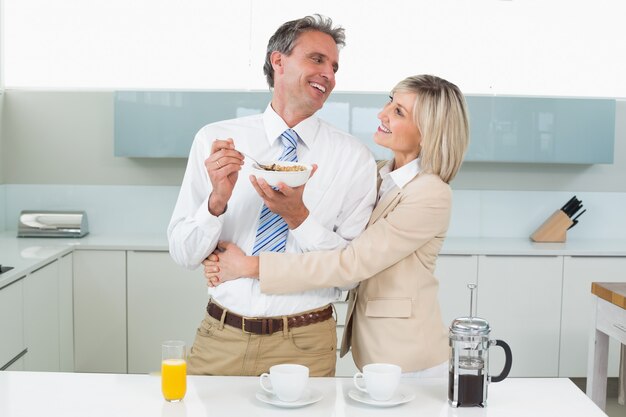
x: 42, y: 267
x: 520, y: 256
x: 620, y: 326
x: 13, y: 282
x: 15, y: 359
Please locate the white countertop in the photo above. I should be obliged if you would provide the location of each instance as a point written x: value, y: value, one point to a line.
x: 66, y: 394
x: 29, y: 254
x: 526, y: 247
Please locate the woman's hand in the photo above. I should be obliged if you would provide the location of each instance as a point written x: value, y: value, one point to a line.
x: 229, y: 262
x: 211, y: 269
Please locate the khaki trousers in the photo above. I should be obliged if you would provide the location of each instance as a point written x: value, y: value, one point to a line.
x: 220, y: 349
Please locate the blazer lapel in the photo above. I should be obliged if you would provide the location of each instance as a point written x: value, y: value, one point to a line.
x: 383, y: 205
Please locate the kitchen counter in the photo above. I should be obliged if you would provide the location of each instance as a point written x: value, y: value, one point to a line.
x: 526, y: 247
x: 34, y: 393
x: 29, y: 254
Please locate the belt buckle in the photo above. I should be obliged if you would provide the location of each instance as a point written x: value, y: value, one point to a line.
x: 243, y: 323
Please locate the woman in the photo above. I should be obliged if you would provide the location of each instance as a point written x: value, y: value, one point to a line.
x: 394, y: 314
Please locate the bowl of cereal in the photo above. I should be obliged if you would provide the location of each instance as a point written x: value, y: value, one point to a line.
x: 293, y: 174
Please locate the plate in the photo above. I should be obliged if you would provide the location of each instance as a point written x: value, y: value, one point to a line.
x: 402, y: 395
x: 310, y: 396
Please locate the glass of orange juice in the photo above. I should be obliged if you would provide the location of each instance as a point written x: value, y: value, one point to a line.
x: 173, y: 370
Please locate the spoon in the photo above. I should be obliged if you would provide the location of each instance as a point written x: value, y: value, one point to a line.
x: 260, y: 165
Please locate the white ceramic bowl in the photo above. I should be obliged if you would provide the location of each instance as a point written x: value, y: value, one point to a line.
x: 290, y: 178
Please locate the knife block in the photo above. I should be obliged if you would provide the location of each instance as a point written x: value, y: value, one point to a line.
x: 553, y: 229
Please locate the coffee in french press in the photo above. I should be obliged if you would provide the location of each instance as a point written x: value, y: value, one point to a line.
x: 469, y: 359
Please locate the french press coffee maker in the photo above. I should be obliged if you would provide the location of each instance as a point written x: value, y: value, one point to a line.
x: 469, y: 359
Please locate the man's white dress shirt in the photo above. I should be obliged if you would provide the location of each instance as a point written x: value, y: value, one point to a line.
x: 340, y: 197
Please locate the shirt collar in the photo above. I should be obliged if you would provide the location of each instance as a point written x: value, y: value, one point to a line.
x: 403, y: 175
x: 275, y: 126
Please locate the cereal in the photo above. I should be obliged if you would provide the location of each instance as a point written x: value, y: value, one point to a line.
x: 277, y: 167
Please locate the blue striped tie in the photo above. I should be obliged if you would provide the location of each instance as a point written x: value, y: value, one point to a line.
x: 271, y: 236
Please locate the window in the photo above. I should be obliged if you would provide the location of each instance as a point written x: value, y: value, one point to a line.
x: 518, y: 47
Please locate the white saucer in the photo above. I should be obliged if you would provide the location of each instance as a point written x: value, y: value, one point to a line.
x: 310, y: 396
x: 402, y: 395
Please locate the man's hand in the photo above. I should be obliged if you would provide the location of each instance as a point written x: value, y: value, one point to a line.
x: 223, y: 167
x: 285, y: 201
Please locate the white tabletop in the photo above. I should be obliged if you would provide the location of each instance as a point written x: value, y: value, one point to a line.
x: 65, y: 394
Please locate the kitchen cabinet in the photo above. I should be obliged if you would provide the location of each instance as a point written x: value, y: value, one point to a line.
x: 11, y: 322
x: 345, y: 366
x: 100, y: 311
x: 503, y: 129
x: 538, y: 303
x: 165, y: 302
x: 41, y: 318
x: 578, y: 274
x: 454, y: 272
x: 520, y: 297
x: 66, y: 314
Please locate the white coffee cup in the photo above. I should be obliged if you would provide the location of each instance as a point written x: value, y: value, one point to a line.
x: 381, y: 380
x: 288, y: 381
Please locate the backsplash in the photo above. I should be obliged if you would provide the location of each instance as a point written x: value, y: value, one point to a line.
x: 128, y: 210
x: 516, y: 214
x: 110, y: 209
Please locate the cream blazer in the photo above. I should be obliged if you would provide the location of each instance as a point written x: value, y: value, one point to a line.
x: 394, y: 313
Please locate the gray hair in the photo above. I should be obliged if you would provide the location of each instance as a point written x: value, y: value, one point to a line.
x: 440, y: 114
x: 285, y: 37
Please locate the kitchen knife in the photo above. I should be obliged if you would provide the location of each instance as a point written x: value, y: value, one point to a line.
x: 569, y: 208
x: 579, y: 214
x: 570, y: 200
x: 575, y: 219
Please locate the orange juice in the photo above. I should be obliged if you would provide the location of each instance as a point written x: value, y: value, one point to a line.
x: 174, y: 379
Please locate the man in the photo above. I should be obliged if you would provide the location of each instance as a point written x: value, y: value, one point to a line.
x: 244, y: 331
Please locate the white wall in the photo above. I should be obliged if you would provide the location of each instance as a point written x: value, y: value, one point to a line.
x: 67, y: 138
x: 2, y: 167
x: 145, y: 210
x: 58, y: 154
x: 533, y: 47
x: 2, y: 207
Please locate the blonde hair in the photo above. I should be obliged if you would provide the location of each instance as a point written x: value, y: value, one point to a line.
x: 440, y: 114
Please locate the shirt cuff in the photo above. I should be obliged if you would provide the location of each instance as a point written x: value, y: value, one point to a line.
x: 205, y: 218
x: 311, y: 235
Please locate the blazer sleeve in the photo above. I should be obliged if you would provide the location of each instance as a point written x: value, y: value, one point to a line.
x: 421, y: 214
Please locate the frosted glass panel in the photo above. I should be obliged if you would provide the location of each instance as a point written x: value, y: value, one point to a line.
x: 550, y: 130
x: 163, y: 124
x: 503, y: 129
